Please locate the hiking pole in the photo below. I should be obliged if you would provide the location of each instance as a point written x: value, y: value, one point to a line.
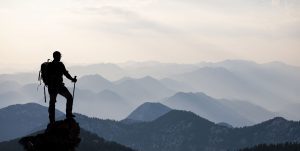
x: 74, y: 88
x: 45, y: 93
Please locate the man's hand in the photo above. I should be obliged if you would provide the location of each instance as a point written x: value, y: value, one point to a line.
x: 74, y: 79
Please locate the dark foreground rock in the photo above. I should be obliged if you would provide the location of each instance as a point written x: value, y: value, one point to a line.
x: 60, y: 136
x: 65, y: 135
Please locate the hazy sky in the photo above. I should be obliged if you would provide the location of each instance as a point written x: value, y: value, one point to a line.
x: 183, y: 31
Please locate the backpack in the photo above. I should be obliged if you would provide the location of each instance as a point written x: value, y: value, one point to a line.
x: 44, y: 75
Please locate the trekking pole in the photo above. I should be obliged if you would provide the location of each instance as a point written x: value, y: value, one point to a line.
x: 74, y: 88
x: 45, y: 94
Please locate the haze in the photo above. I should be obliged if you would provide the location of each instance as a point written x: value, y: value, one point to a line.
x: 189, y: 31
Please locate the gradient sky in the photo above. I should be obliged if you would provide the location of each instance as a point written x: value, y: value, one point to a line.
x: 182, y: 31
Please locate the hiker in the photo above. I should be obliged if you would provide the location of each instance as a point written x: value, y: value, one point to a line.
x: 56, y: 70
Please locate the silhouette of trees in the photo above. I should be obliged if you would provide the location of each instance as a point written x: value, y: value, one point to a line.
x: 288, y: 146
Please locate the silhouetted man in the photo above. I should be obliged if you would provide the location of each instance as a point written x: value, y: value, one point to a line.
x: 56, y: 70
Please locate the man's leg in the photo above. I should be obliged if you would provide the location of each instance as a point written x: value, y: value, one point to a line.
x: 69, y: 105
x: 51, y: 109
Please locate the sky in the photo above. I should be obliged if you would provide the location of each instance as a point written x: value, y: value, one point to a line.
x: 179, y: 31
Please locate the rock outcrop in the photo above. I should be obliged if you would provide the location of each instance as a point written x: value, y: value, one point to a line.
x: 60, y: 136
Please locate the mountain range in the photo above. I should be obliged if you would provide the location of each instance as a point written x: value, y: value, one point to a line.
x: 181, y: 130
x: 175, y: 130
x: 270, y: 86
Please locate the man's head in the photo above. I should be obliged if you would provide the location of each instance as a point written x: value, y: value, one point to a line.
x: 56, y: 55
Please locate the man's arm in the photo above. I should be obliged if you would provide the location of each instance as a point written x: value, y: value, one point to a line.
x: 66, y: 73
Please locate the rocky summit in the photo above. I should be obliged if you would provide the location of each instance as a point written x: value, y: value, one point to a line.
x: 59, y: 136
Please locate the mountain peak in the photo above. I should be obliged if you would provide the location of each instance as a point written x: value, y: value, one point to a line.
x: 126, y: 78
x: 198, y: 95
x: 148, y: 111
x: 276, y: 122
x: 94, y: 82
x: 180, y: 115
x: 278, y: 119
x: 182, y: 94
x: 25, y: 108
x: 237, y: 61
x: 31, y: 104
x: 148, y: 77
